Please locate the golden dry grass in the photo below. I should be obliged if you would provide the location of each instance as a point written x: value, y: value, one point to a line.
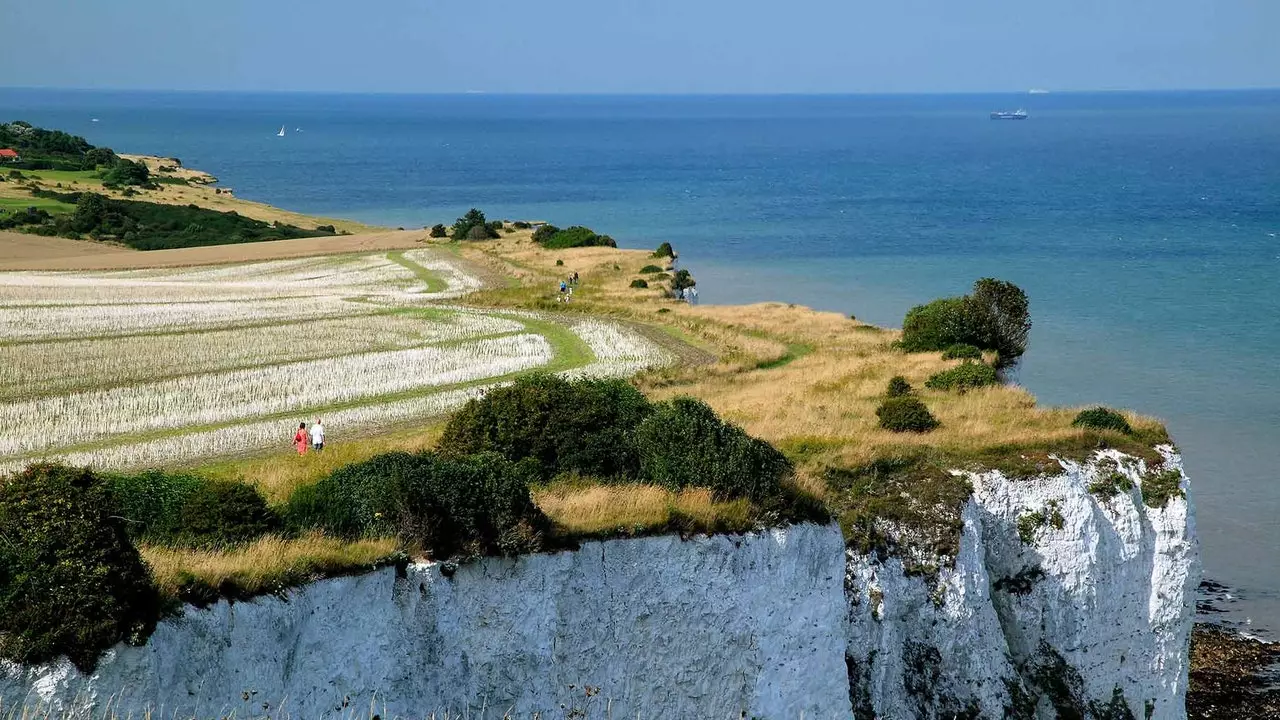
x: 266, y: 566
x: 278, y: 474
x: 627, y: 509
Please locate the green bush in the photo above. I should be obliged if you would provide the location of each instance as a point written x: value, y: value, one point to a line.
x: 639, y: 283
x: 964, y: 376
x: 451, y: 506
x: 684, y: 444
x: 935, y: 325
x: 650, y: 269
x: 1102, y: 418
x: 994, y: 317
x: 521, y: 225
x: 576, y: 236
x: 961, y: 351
x: 544, y: 233
x: 683, y: 279
x: 906, y: 414
x: 356, y: 500
x: 151, y: 502
x: 898, y: 387
x: 224, y: 512
x: 559, y: 262
x: 439, y: 231
x: 473, y: 226
x: 582, y: 426
x: 71, y: 582
x: 127, y: 172
x: 1161, y: 487
x: 471, y: 506
x: 665, y: 251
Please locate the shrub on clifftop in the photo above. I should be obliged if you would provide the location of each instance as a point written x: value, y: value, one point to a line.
x: 1102, y: 418
x: 71, y: 583
x: 665, y: 251
x: 995, y: 316
x: 898, y: 387
x: 964, y: 376
x: 684, y: 444
x: 576, y: 236
x: 473, y: 226
x: 580, y: 426
x: 906, y: 414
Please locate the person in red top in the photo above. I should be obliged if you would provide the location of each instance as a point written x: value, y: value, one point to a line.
x: 300, y: 439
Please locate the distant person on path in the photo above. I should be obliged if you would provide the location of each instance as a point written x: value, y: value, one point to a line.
x: 300, y: 439
x: 693, y: 296
x: 317, y: 436
x: 575, y: 277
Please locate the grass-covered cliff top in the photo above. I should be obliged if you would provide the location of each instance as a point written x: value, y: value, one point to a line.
x: 813, y: 385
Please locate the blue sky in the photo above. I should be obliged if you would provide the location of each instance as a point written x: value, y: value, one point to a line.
x: 641, y: 46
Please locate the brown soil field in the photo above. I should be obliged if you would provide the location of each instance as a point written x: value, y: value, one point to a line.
x: 21, y: 247
x: 31, y: 252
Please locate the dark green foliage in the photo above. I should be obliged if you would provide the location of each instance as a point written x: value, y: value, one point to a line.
x: 497, y: 226
x: 639, y: 283
x: 127, y: 172
x: 439, y: 230
x: 961, y: 351
x: 544, y: 233
x: 999, y: 317
x: 898, y: 387
x: 994, y: 317
x: 327, y: 229
x: 1159, y: 488
x: 47, y: 149
x: 151, y: 502
x: 71, y: 583
x: 963, y: 377
x: 581, y: 426
x: 471, y: 506
x: 935, y: 325
x: 356, y: 500
x: 521, y: 225
x: 559, y: 262
x: 1111, y: 482
x: 684, y: 444
x: 224, y: 512
x: 665, y: 251
x: 683, y: 279
x: 452, y: 506
x: 151, y: 226
x: 650, y: 269
x: 473, y: 226
x: 576, y: 236
x: 99, y: 157
x: 1102, y: 418
x: 905, y: 414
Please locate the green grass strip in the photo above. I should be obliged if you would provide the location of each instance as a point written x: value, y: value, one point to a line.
x: 433, y: 282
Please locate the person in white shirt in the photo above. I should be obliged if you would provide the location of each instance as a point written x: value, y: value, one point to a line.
x: 317, y: 435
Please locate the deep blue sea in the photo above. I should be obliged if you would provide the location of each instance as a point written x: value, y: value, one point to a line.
x: 1144, y: 226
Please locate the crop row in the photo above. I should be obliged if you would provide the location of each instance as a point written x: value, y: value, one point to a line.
x: 619, y: 352
x: 39, y: 369
x: 36, y: 426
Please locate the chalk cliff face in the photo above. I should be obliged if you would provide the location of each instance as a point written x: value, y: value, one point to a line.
x: 1061, y: 601
x: 1086, y: 608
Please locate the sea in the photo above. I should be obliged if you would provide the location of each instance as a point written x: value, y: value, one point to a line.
x: 1145, y: 227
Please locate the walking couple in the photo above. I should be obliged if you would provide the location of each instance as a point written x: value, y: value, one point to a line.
x: 315, y: 437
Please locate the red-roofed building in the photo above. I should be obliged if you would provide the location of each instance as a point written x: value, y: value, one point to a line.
x: 9, y: 155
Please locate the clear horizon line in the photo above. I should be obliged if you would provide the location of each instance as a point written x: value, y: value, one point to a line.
x: 588, y: 93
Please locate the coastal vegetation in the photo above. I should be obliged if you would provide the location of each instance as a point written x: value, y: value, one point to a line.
x: 734, y: 418
x: 148, y: 226
x: 995, y: 317
x: 473, y: 226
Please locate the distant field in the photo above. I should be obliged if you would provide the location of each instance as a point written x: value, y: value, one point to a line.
x: 20, y: 204
x: 173, y: 366
x: 33, y: 252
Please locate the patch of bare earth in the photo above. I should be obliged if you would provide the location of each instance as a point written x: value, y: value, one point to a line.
x: 21, y: 247
x: 60, y: 257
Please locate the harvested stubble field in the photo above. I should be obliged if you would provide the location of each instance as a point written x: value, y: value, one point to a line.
x: 172, y: 366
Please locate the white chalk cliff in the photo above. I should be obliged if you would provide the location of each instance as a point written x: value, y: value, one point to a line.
x: 1091, y: 616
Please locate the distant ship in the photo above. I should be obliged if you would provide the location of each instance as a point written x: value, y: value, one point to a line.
x: 281, y: 133
x: 1038, y: 91
x: 1004, y: 115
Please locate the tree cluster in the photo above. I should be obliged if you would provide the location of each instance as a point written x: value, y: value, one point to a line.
x: 995, y: 316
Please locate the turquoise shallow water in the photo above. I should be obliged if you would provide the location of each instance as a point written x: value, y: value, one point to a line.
x: 1143, y: 226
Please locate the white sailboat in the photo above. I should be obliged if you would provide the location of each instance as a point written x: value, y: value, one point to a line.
x: 281, y: 133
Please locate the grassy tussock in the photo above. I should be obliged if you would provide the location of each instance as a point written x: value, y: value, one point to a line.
x: 269, y: 565
x: 608, y: 510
